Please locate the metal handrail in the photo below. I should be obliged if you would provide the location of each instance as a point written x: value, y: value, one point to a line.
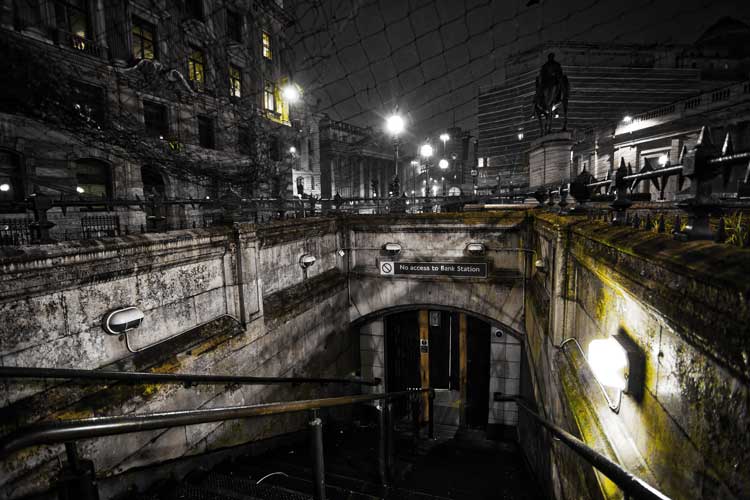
x: 71, y: 430
x: 9, y: 372
x: 629, y: 483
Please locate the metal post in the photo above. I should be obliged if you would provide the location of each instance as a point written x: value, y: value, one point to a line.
x: 431, y: 413
x: 389, y: 430
x: 316, y: 434
x: 415, y: 414
x: 383, y: 443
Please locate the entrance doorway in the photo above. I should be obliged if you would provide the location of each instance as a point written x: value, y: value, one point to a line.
x: 446, y: 350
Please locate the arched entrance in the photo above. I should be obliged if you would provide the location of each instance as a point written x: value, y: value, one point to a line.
x: 466, y: 358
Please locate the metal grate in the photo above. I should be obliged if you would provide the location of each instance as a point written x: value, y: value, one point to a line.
x: 97, y: 226
x: 14, y: 232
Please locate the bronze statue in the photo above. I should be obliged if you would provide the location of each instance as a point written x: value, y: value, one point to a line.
x: 552, y: 91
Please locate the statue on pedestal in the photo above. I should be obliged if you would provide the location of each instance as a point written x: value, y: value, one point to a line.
x: 552, y: 90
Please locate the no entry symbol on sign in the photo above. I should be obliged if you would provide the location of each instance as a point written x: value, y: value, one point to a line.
x: 386, y: 268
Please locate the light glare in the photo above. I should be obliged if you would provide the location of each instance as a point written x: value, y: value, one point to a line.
x: 425, y: 150
x: 4, y: 187
x: 394, y: 124
x: 443, y: 163
x: 609, y: 362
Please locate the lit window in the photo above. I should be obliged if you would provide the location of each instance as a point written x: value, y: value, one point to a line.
x: 270, y: 97
x: 144, y: 37
x: 72, y: 19
x: 267, y: 53
x: 196, y: 65
x: 235, y: 81
x: 92, y: 179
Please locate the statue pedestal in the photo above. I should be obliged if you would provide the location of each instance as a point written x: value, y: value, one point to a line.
x: 549, y: 160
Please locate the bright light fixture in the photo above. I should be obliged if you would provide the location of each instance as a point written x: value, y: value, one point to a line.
x: 425, y: 150
x: 663, y: 159
x: 443, y: 163
x: 292, y: 150
x: 290, y: 93
x: 445, y: 138
x: 475, y: 248
x: 80, y: 190
x: 520, y: 136
x: 627, y: 119
x: 392, y: 248
x: 4, y: 187
x: 394, y: 124
x: 609, y: 362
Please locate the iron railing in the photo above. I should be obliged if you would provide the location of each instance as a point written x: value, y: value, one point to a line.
x: 633, y: 486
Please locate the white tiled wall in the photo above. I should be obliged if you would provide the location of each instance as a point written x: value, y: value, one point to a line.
x: 505, y: 377
x: 372, y: 352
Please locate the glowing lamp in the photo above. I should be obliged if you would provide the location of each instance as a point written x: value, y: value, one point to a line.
x: 425, y: 150
x: 618, y: 363
x: 394, y: 124
x: 663, y: 159
x: 475, y: 248
x: 292, y: 150
x: 392, y: 248
x: 290, y: 93
x: 445, y: 137
x: 4, y: 187
x: 443, y: 163
x: 80, y: 190
x: 627, y: 119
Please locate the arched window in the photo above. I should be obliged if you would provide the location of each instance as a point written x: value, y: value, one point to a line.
x: 153, y: 182
x: 11, y: 177
x: 93, y: 178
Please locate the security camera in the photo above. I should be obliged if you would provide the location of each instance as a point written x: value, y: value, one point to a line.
x: 122, y: 320
x: 306, y: 260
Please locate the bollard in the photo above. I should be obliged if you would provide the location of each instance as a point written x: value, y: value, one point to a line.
x: 316, y: 435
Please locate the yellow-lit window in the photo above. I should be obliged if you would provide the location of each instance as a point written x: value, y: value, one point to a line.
x: 269, y: 97
x: 143, y: 39
x: 196, y: 67
x: 267, y: 53
x: 235, y: 81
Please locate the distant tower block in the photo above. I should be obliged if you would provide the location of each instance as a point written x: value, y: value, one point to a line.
x: 549, y: 160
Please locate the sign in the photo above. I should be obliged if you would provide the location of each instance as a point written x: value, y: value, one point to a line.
x: 454, y: 269
x: 424, y: 345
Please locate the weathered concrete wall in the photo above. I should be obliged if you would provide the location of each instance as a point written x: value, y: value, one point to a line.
x: 686, y: 307
x: 205, y: 283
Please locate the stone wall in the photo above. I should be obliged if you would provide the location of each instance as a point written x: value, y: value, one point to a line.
x: 213, y: 303
x: 685, y: 305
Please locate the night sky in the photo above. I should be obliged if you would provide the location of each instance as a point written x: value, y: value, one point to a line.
x: 363, y: 57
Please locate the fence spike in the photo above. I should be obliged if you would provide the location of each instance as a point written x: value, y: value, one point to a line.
x: 728, y: 147
x: 662, y: 225
x: 704, y: 139
x: 648, y: 223
x: 683, y: 154
x: 677, y: 224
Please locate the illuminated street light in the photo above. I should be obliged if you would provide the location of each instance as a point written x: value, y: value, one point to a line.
x: 4, y: 187
x: 663, y: 160
x: 425, y: 150
x: 292, y: 150
x: 443, y: 163
x: 627, y: 119
x: 520, y: 136
x: 394, y: 124
x: 445, y: 138
x: 290, y: 93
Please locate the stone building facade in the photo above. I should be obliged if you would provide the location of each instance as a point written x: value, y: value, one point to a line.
x: 608, y: 82
x: 167, y: 100
x: 356, y: 162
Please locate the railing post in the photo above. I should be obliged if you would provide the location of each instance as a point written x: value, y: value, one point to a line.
x: 316, y: 434
x: 415, y: 398
x: 78, y: 480
x: 431, y: 413
x: 389, y: 430
x: 383, y: 443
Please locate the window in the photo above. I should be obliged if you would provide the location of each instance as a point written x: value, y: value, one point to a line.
x: 144, y: 40
x: 11, y: 178
x: 196, y: 65
x: 269, y: 97
x: 194, y: 9
x: 155, y: 118
x: 206, y: 132
x: 73, y: 20
x: 267, y: 53
x: 93, y: 179
x: 235, y: 81
x: 234, y: 26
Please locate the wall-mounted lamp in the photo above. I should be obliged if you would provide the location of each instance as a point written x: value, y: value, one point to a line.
x: 541, y: 265
x: 122, y: 320
x: 392, y: 248
x: 618, y: 363
x: 475, y: 248
x: 306, y: 260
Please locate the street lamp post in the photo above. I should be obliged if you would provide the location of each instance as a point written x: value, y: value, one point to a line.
x: 395, y: 125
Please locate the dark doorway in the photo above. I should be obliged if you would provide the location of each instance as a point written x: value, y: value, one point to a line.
x: 154, y: 191
x: 402, y: 341
x: 478, y: 373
